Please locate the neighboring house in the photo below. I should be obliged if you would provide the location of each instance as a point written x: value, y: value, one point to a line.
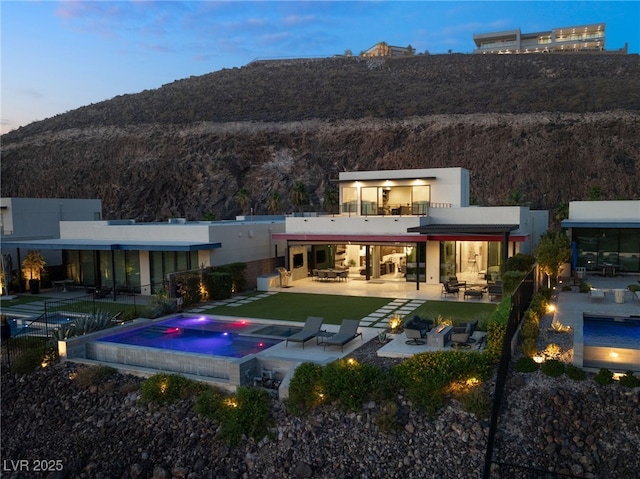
x: 138, y: 256
x: 411, y: 225
x: 382, y: 49
x: 605, y: 235
x: 581, y: 38
x: 24, y: 219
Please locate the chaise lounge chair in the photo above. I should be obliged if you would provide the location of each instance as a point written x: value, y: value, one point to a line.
x: 309, y: 331
x: 347, y: 332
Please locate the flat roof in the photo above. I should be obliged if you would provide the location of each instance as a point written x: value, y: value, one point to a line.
x: 600, y: 224
x: 106, y: 245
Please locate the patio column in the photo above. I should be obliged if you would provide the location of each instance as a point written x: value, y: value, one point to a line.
x: 505, y: 252
x: 113, y: 274
x: 367, y: 261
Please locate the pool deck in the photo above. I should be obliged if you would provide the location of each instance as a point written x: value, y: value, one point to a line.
x: 571, y: 305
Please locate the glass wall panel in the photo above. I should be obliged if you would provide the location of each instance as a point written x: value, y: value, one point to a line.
x: 349, y: 199
x: 120, y: 264
x: 106, y: 279
x: 608, y: 247
x: 71, y: 260
x: 157, y: 271
x: 421, y: 197
x: 587, y: 246
x: 630, y: 249
x: 133, y: 270
x: 369, y: 197
x: 88, y: 268
x: 447, y: 260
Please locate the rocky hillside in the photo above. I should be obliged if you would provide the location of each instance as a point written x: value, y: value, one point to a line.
x: 535, y: 129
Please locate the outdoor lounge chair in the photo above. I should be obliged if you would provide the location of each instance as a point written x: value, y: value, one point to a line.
x: 309, y: 331
x: 347, y: 332
x: 461, y: 335
x: 448, y: 289
x: 417, y: 328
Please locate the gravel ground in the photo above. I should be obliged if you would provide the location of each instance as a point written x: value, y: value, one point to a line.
x: 102, y: 431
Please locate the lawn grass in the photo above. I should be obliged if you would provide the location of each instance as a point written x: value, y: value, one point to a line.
x: 457, y: 312
x: 23, y: 299
x: 297, y: 306
x: 335, y: 308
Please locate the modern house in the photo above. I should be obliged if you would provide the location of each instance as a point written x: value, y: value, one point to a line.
x: 605, y: 235
x: 137, y: 256
x: 580, y: 38
x: 26, y: 219
x: 410, y: 225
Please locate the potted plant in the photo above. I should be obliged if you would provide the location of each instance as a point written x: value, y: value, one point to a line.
x: 32, y: 268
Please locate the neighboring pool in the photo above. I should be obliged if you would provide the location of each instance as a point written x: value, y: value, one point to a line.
x: 204, y: 335
x: 611, y: 342
x: 39, y: 325
x: 609, y: 331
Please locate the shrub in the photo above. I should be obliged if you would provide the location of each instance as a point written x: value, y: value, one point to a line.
x: 629, y: 380
x: 552, y: 350
x: 305, y: 389
x: 31, y: 354
x: 477, y: 401
x: 349, y: 382
x: 209, y: 402
x: 575, y: 373
x: 166, y: 388
x: 511, y: 280
x: 387, y: 418
x: 425, y: 376
x: 604, y: 376
x: 497, y: 328
x: 566, y: 287
x: 526, y: 365
x: 553, y: 368
x: 248, y: 414
x: 520, y: 262
x: 584, y: 287
x: 94, y: 375
x: 219, y: 285
x: 529, y: 347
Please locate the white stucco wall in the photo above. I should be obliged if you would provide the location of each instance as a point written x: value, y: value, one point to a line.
x: 241, y: 240
x: 39, y: 218
x: 605, y: 210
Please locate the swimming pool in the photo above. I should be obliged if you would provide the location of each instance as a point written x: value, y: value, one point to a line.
x: 203, y: 335
x: 611, y: 342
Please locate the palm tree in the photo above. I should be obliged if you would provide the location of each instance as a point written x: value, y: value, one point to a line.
x: 243, y: 198
x: 273, y: 203
x: 410, y: 50
x: 298, y: 194
x: 330, y: 199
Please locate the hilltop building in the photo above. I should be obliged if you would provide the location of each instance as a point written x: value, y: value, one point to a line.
x: 382, y: 49
x: 580, y: 38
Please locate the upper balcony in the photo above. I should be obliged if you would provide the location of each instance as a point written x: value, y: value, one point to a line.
x: 372, y: 208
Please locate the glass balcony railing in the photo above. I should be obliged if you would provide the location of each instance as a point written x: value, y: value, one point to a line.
x: 370, y: 208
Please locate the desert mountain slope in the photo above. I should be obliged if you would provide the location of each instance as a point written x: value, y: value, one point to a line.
x: 535, y: 129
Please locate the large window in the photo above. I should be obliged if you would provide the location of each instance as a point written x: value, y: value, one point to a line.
x: 165, y: 262
x: 603, y: 245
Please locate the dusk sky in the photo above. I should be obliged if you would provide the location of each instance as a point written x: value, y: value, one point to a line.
x: 59, y: 56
